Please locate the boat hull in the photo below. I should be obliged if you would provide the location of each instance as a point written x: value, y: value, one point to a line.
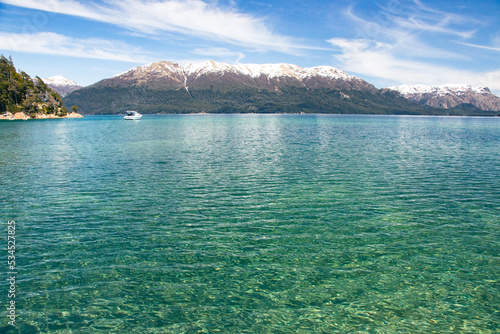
x: 133, y: 115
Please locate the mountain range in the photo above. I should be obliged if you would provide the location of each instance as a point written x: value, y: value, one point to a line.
x: 450, y: 96
x: 167, y: 87
x: 271, y: 77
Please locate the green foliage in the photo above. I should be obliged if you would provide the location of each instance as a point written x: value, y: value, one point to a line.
x: 116, y: 100
x: 20, y: 93
x: 218, y: 97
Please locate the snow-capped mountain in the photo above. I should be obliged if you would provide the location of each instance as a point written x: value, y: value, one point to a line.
x: 61, y: 84
x: 60, y: 80
x: 269, y: 70
x: 209, y: 86
x: 266, y: 76
x: 450, y: 96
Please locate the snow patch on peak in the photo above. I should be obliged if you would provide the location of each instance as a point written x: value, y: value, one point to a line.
x: 279, y: 70
x: 59, y: 80
x: 270, y: 70
x: 159, y: 67
x: 208, y: 66
x: 253, y: 70
x: 440, y: 90
x: 330, y: 72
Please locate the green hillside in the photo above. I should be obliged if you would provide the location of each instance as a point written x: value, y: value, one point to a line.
x: 118, y: 99
x: 21, y: 94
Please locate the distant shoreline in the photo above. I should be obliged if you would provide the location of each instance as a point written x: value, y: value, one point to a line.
x: 485, y: 114
x: 297, y: 114
x: 19, y: 116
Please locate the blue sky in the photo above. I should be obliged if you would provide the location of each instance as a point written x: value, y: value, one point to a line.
x: 386, y: 42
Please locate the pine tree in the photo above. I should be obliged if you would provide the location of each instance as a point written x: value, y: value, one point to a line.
x: 18, y: 92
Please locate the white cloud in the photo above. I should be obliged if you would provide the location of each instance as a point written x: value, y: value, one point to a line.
x: 392, y: 28
x: 188, y: 17
x: 410, y: 19
x: 56, y: 44
x: 438, y: 27
x: 377, y: 60
x: 421, y: 18
x: 409, y: 45
x: 485, y: 47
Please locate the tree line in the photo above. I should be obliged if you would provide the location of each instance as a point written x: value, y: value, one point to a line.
x: 20, y: 93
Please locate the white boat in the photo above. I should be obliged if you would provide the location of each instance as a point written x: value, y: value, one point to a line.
x: 133, y: 115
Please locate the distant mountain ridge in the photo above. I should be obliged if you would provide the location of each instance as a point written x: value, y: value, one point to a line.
x: 167, y: 87
x: 267, y: 76
x: 62, y: 85
x: 450, y: 96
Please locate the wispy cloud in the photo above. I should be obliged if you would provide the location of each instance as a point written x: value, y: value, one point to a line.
x: 409, y: 44
x: 484, y: 47
x: 437, y: 27
x: 56, y: 44
x: 188, y: 17
x: 377, y: 60
x: 420, y: 17
x: 390, y: 27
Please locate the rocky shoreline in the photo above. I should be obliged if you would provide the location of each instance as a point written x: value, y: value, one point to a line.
x: 23, y: 116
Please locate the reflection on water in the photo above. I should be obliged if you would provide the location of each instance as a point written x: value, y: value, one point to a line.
x: 254, y: 223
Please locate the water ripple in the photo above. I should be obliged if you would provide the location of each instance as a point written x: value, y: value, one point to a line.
x: 255, y: 224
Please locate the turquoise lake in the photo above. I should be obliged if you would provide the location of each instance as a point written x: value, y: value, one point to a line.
x: 252, y: 224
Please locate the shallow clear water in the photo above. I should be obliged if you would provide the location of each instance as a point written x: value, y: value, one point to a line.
x: 253, y: 224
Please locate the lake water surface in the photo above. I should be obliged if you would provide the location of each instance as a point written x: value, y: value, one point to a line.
x: 253, y: 224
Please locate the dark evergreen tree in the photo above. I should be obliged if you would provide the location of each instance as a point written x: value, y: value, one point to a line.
x: 20, y: 93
